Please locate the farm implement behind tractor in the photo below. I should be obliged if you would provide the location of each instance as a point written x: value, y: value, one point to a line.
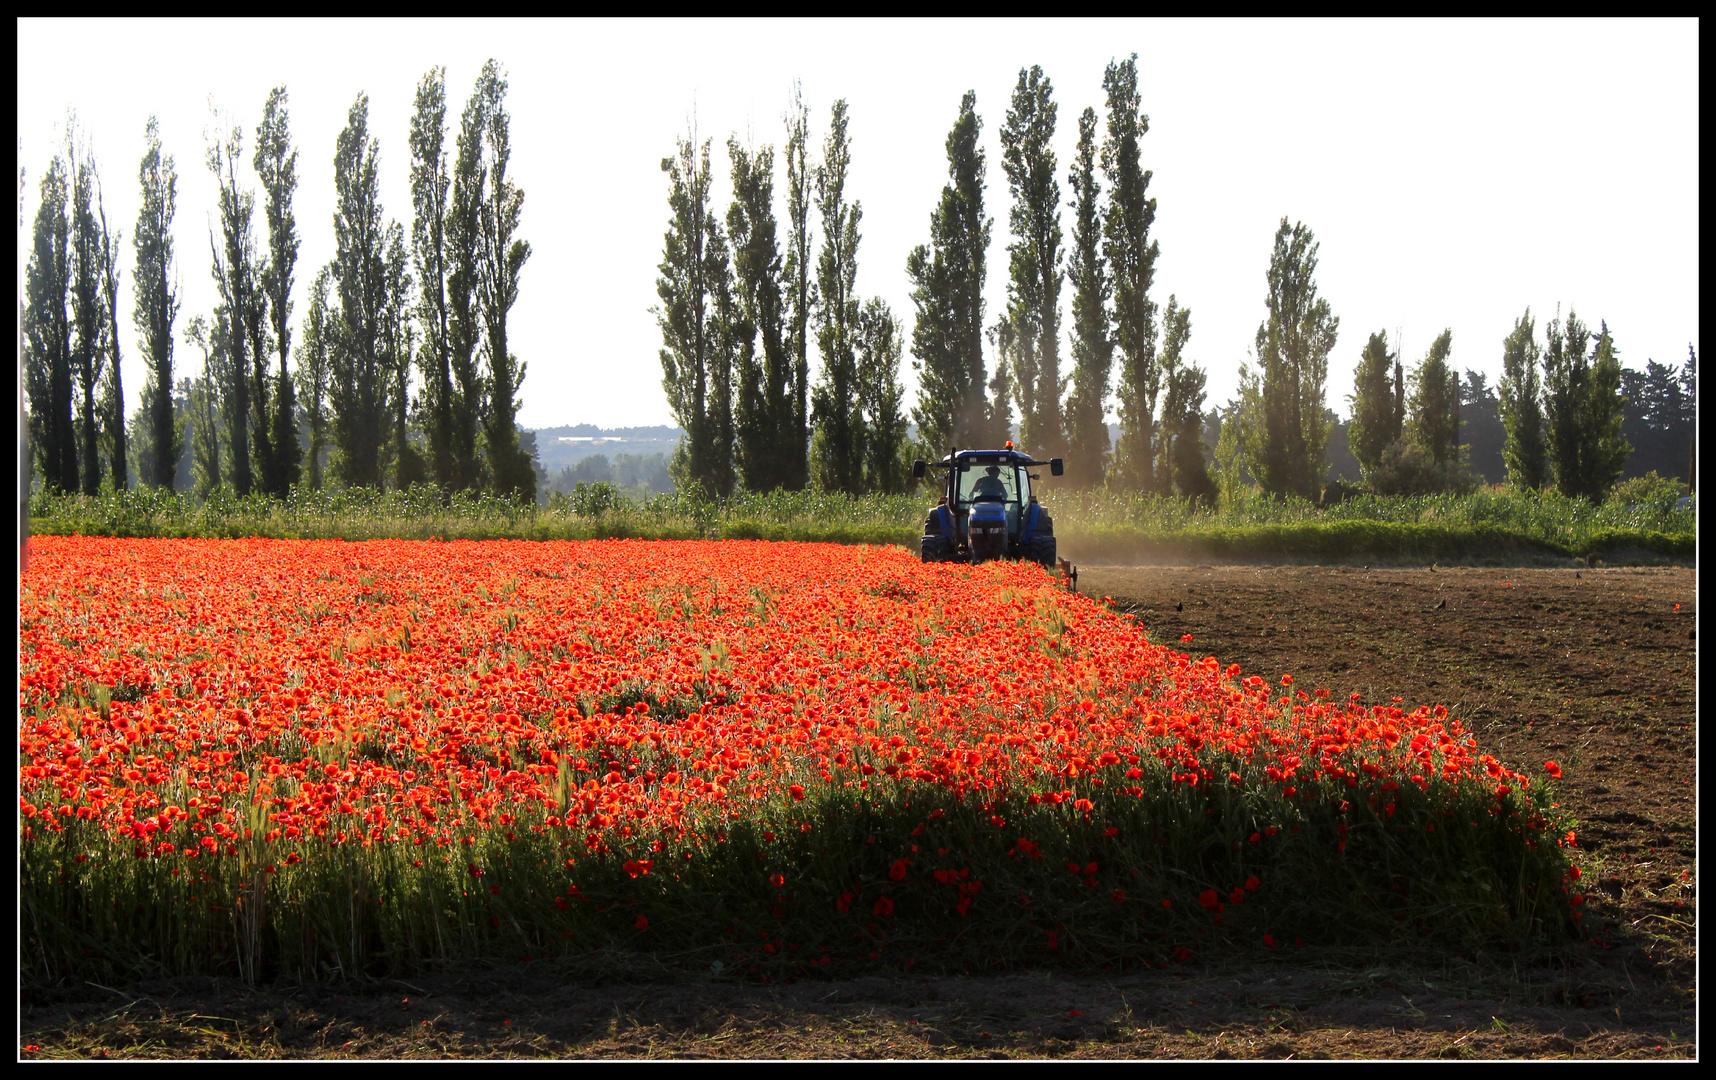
x: 988, y: 509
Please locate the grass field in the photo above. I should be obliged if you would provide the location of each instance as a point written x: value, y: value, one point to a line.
x: 1491, y: 525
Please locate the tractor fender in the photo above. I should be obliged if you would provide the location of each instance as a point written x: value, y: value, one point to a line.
x: 940, y: 522
x: 1031, y: 522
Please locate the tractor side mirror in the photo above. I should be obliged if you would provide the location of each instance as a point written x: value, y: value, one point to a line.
x: 1056, y: 468
x: 918, y: 468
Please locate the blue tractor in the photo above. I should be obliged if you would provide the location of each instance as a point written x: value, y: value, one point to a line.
x: 988, y: 509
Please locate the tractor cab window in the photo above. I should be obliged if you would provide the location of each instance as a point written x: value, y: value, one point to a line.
x: 988, y: 481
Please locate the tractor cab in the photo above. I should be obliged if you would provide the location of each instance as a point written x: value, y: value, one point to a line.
x: 988, y: 509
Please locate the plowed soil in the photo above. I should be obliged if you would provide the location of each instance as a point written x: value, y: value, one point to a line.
x: 1595, y: 669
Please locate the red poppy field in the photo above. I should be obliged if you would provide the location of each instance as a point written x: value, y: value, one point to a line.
x: 271, y: 758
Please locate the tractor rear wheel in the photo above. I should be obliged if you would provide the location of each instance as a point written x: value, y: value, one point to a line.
x: 936, y: 549
x: 1042, y: 550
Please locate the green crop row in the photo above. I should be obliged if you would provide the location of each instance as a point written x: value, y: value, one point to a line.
x: 1384, y: 541
x: 914, y: 878
x: 1489, y: 525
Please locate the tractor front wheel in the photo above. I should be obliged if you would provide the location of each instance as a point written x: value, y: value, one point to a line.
x: 937, y: 549
x: 1042, y: 550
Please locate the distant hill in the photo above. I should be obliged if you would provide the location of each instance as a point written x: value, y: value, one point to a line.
x: 591, y: 431
x: 557, y: 447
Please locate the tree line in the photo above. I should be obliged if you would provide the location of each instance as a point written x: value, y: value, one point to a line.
x: 1566, y: 414
x: 737, y: 315
x: 264, y: 415
x: 744, y: 301
x: 738, y: 312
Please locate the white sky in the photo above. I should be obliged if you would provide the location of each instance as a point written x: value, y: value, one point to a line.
x: 1453, y: 172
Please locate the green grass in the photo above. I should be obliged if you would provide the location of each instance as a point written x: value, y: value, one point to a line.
x: 1492, y: 524
x: 1449, y: 867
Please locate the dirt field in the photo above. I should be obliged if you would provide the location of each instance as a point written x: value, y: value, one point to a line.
x: 1595, y: 669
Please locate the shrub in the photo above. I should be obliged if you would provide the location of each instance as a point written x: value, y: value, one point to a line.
x: 1406, y: 469
x: 1647, y: 490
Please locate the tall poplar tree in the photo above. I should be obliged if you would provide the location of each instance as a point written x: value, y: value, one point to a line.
x: 502, y: 255
x: 362, y: 381
x: 724, y: 312
x: 1435, y: 424
x: 86, y: 251
x: 800, y: 299
x: 234, y: 269
x: 1182, y: 469
x: 315, y: 370
x: 276, y: 164
x: 1092, y: 342
x: 47, y: 334
x: 947, y: 289
x: 431, y: 186
x: 1293, y: 346
x: 837, y: 449
x: 1176, y: 331
x: 880, y: 340
x: 398, y: 335
x: 463, y: 236
x: 1521, y: 407
x: 202, y: 432
x: 1582, y: 410
x: 1608, y: 450
x: 1378, y: 414
x: 998, y: 410
x: 1034, y: 285
x: 184, y: 476
x: 113, y: 386
x: 693, y: 268
x: 156, y: 305
x: 764, y: 394
x: 1132, y: 263
x: 207, y: 405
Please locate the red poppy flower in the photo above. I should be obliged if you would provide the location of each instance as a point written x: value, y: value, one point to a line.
x: 705, y: 710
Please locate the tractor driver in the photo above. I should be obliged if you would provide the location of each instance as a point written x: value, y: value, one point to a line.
x: 989, y: 486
